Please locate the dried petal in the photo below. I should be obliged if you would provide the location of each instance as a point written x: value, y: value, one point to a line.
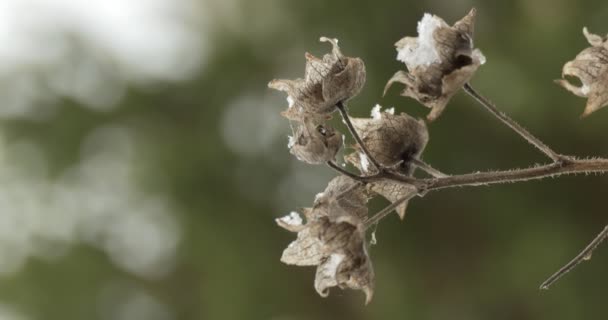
x: 392, y: 192
x: 348, y: 266
x: 591, y: 67
x: 327, y: 81
x: 315, y: 144
x: 357, y: 273
x: 291, y: 222
x: 440, y: 61
x: 307, y: 249
x: 344, y: 200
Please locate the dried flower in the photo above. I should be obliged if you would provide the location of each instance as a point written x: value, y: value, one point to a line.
x: 440, y: 61
x: 591, y: 67
x: 335, y: 78
x: 394, y: 141
x: 314, y: 143
x: 333, y: 239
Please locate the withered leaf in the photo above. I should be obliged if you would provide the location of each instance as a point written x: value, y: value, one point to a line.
x: 591, y: 67
x: 439, y: 61
x: 333, y: 239
x: 327, y: 81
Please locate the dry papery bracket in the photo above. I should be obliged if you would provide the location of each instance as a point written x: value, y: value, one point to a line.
x: 440, y: 61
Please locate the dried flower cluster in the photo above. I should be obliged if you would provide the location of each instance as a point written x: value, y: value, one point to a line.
x: 333, y: 238
x: 328, y: 81
x: 331, y: 234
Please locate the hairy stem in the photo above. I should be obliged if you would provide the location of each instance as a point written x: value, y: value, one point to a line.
x: 582, y: 256
x: 573, y: 166
x: 428, y: 169
x: 512, y: 124
x: 342, y: 108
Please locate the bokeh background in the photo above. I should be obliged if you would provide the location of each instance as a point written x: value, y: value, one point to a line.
x: 143, y: 160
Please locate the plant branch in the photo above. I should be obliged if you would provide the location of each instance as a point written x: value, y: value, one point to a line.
x: 513, y: 125
x: 573, y: 166
x: 582, y: 256
x: 428, y: 169
x: 345, y: 172
x: 342, y: 108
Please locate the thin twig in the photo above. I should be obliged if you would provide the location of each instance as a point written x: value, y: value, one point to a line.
x: 345, y: 172
x: 583, y: 256
x: 342, y: 108
x: 573, y: 166
x: 387, y: 210
x: 428, y: 169
x: 513, y: 125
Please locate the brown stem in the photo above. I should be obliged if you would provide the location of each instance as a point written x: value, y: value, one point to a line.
x: 582, y: 256
x: 342, y: 108
x: 513, y: 125
x: 573, y: 166
x: 345, y: 172
x: 428, y: 169
x: 387, y: 210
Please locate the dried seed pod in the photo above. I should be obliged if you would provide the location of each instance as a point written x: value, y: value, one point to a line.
x: 440, y: 61
x: 333, y: 239
x: 327, y: 81
x: 394, y: 141
x: 314, y: 143
x: 591, y: 67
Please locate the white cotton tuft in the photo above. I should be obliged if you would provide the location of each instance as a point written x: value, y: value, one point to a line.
x: 376, y: 112
x: 292, y: 219
x: 364, y: 161
x: 585, y: 89
x: 290, y: 101
x: 390, y: 110
x: 421, y: 51
x: 479, y: 56
x: 319, y: 195
x: 291, y: 141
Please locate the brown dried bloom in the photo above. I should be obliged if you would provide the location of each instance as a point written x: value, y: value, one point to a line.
x: 314, y: 143
x: 335, y: 78
x: 591, y: 67
x: 333, y: 239
x: 394, y: 141
x: 440, y: 61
